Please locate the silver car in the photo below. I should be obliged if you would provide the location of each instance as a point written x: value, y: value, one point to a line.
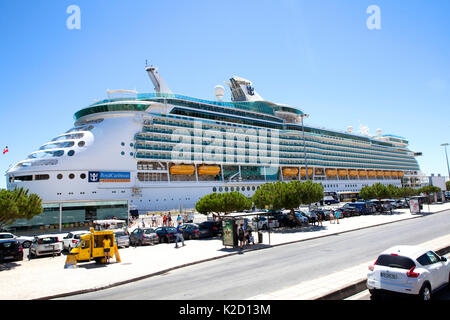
x: 122, y: 239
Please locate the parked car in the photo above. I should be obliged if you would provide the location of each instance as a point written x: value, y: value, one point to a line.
x: 141, y: 236
x: 408, y: 270
x: 10, y: 249
x: 361, y: 208
x: 45, y: 245
x: 71, y: 239
x: 327, y: 213
x: 122, y: 239
x: 312, y: 216
x: 301, y: 216
x: 214, y: 226
x: 204, y: 231
x: 166, y: 234
x: 190, y: 231
x: 266, y: 222
x: 24, y: 241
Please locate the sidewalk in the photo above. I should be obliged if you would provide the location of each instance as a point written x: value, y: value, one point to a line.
x: 46, y: 277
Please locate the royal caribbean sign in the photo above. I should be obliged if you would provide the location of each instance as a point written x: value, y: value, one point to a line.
x: 101, y: 176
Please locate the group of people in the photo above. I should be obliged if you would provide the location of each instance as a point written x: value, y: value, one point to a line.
x: 244, y: 236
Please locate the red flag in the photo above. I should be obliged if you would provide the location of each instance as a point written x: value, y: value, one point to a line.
x: 5, y: 150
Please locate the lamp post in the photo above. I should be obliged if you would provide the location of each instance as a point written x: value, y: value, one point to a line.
x: 446, y: 157
x: 304, y: 145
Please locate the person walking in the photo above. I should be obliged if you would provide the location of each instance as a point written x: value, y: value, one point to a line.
x: 332, y: 216
x: 241, y: 237
x: 165, y: 220
x: 337, y: 214
x: 319, y: 218
x: 179, y: 219
x: 179, y: 235
x: 153, y: 220
x: 169, y: 220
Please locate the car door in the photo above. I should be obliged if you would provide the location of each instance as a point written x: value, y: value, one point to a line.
x: 67, y: 240
x: 437, y: 269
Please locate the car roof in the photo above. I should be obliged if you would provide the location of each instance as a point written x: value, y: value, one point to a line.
x: 78, y: 232
x: 47, y: 236
x: 406, y: 251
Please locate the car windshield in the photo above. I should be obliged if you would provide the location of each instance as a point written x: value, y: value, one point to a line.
x: 395, y: 261
x: 48, y: 240
x: 120, y: 234
x: 6, y: 236
x: 147, y: 231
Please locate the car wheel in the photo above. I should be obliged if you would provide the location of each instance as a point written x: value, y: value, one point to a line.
x: 26, y: 244
x: 425, y: 292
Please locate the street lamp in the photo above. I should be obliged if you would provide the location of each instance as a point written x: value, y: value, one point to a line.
x: 446, y: 157
x: 304, y: 115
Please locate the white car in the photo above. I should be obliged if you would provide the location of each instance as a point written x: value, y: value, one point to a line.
x: 45, y: 245
x: 25, y: 242
x: 71, y: 239
x: 408, y: 270
x: 264, y: 224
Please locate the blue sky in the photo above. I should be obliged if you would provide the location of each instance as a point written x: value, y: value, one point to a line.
x: 318, y: 55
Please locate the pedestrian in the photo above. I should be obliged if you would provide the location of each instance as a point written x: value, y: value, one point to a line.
x: 164, y: 220
x: 153, y: 220
x: 331, y: 216
x: 337, y: 214
x: 179, y: 235
x: 143, y: 223
x: 241, y: 237
x: 319, y: 218
x: 169, y: 220
x: 179, y: 219
x: 106, y: 248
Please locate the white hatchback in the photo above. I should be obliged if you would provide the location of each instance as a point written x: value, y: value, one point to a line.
x: 408, y: 270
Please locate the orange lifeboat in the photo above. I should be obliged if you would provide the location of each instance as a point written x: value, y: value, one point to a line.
x: 303, y: 172
x: 318, y: 172
x: 394, y: 174
x: 353, y: 173
x: 362, y: 173
x: 387, y: 173
x: 290, y: 171
x: 331, y: 172
x: 380, y: 173
x: 400, y: 173
x: 342, y: 172
x: 371, y: 173
x: 181, y: 169
x: 208, y: 170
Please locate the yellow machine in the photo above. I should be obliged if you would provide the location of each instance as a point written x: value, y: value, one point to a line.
x: 91, y: 247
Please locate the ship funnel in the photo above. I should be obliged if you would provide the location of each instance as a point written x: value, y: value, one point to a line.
x: 158, y: 82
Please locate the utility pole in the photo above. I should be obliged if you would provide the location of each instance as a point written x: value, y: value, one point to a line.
x: 446, y: 157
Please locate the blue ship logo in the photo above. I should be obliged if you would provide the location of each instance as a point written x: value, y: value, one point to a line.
x: 93, y: 176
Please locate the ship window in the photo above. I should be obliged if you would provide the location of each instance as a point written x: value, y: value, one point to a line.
x: 81, y: 144
x: 59, y: 176
x: 83, y: 176
x: 70, y: 153
x: 23, y: 178
x: 41, y: 177
x: 71, y: 176
x: 214, y: 189
x: 122, y: 153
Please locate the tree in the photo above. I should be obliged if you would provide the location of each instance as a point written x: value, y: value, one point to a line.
x: 223, y: 203
x: 18, y: 204
x: 447, y: 185
x: 429, y: 190
x: 377, y: 191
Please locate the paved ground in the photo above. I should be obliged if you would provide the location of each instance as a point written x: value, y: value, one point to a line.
x: 46, y: 277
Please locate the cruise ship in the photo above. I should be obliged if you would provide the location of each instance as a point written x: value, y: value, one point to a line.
x: 164, y: 151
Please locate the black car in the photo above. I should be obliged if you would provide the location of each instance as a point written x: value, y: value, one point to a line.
x: 190, y: 231
x: 141, y: 236
x: 11, y: 250
x: 215, y: 227
x: 166, y: 234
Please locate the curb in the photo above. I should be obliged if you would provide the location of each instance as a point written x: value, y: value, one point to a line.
x: 344, y: 292
x: 360, y: 285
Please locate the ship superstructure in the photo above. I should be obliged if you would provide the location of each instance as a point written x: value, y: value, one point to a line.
x: 162, y: 150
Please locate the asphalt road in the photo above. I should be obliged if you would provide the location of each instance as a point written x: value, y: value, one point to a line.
x: 264, y: 271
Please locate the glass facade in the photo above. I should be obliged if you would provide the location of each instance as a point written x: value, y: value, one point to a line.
x: 73, y: 215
